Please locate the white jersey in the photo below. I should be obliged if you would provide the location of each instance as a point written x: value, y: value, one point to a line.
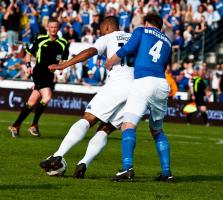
x: 108, y: 45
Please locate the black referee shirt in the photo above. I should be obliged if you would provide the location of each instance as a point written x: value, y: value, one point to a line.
x: 48, y: 52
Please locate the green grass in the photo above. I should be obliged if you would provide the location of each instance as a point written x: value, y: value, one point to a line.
x: 196, y: 160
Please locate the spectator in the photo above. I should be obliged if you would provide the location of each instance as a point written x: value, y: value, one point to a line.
x: 12, y: 17
x: 90, y: 80
x: 85, y: 14
x: 113, y: 4
x: 137, y: 19
x: 197, y: 15
x: 166, y: 8
x: 212, y: 17
x: 200, y: 27
x: 219, y: 7
x: 26, y: 35
x: 61, y: 76
x: 178, y: 40
x: 88, y: 38
x: 95, y: 25
x: 13, y: 66
x: 45, y: 13
x: 124, y: 15
x: 71, y: 35
x: 220, y: 87
x: 2, y: 11
x: 215, y: 79
x: 187, y: 35
x: 99, y: 70
x: 33, y: 19
x: 174, y: 20
x: 188, y: 16
x: 194, y: 4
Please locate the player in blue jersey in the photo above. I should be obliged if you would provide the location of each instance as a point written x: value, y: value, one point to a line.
x: 150, y: 90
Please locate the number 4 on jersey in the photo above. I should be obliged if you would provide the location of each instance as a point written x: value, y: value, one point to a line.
x: 155, y: 51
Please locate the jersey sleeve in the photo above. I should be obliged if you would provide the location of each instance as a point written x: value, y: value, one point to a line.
x: 32, y: 49
x: 101, y: 45
x: 132, y: 45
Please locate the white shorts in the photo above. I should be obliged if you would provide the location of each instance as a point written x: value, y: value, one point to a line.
x: 108, y: 104
x: 147, y: 93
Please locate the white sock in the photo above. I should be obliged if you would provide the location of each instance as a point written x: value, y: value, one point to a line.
x: 74, y: 135
x: 95, y: 146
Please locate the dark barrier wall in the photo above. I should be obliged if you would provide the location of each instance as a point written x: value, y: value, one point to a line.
x: 75, y: 103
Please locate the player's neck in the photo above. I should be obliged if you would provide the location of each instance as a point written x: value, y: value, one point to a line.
x: 52, y: 37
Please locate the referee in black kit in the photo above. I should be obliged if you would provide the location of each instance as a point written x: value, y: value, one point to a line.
x: 48, y: 49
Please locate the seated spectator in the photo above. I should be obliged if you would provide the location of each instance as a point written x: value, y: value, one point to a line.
x: 99, y: 70
x: 220, y: 86
x: 3, y: 72
x: 88, y: 37
x: 90, y: 80
x: 215, y: 78
x: 60, y: 76
x: 13, y: 66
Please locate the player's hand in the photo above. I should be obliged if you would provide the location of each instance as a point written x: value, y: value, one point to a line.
x: 54, y: 67
x: 108, y: 64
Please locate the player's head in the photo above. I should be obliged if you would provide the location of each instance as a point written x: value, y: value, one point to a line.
x: 153, y: 20
x: 53, y: 27
x: 109, y: 25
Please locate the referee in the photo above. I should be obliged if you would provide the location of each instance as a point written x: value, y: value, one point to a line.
x: 199, y: 95
x: 48, y: 49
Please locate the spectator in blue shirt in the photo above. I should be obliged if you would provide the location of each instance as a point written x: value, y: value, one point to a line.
x: 90, y: 80
x: 178, y: 40
x: 219, y: 7
x: 166, y: 8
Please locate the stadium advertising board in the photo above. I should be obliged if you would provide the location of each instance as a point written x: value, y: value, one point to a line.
x: 75, y: 103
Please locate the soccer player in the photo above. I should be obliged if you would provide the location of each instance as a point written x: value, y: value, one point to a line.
x: 149, y: 91
x: 106, y: 106
x: 48, y: 49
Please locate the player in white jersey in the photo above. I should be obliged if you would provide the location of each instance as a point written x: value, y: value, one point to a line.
x: 106, y: 106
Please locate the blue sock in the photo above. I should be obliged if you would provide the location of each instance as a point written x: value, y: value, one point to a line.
x: 128, y: 146
x: 163, y: 149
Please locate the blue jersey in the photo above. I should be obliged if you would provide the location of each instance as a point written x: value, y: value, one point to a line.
x: 152, y: 50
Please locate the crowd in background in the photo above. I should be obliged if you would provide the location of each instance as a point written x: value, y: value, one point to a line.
x: 23, y: 20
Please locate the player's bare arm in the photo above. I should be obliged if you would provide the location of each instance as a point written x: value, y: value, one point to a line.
x: 111, y: 61
x: 82, y: 56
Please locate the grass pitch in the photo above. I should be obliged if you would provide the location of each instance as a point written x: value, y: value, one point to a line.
x: 196, y: 161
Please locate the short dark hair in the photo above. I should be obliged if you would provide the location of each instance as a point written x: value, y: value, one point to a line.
x: 53, y: 20
x: 154, y: 19
x: 112, y: 21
